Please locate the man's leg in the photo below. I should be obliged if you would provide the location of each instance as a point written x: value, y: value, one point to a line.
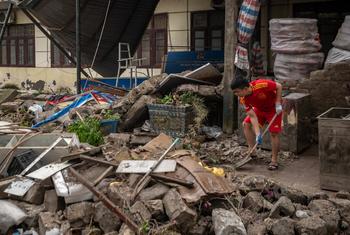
x: 275, y: 144
x: 249, y: 135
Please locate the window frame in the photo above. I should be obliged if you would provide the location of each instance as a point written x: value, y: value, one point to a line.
x: 152, y: 31
x: 62, y: 58
x: 7, y: 41
x: 207, y: 30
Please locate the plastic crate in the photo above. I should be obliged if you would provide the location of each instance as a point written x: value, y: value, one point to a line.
x: 108, y: 126
x: 169, y: 119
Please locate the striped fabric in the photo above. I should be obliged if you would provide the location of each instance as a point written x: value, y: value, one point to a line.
x: 247, y: 18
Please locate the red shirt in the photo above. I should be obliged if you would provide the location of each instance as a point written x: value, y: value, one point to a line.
x: 263, y: 97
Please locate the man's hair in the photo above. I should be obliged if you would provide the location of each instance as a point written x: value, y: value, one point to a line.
x: 239, y: 83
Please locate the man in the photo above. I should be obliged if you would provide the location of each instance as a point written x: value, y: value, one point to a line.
x: 262, y: 100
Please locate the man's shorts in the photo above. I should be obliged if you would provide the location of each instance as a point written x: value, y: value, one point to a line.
x: 265, y: 118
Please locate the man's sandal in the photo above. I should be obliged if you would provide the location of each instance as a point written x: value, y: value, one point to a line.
x: 273, y: 166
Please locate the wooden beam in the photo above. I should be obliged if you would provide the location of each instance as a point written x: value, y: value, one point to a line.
x: 230, y: 46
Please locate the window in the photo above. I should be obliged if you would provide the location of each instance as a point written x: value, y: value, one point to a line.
x: 154, y: 42
x: 17, y: 47
x: 207, y: 30
x: 58, y: 59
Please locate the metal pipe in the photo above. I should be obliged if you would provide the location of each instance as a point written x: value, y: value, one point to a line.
x: 108, y: 203
x: 56, y: 43
x: 7, y: 17
x: 77, y: 44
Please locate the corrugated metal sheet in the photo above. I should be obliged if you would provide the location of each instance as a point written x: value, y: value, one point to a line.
x: 126, y: 22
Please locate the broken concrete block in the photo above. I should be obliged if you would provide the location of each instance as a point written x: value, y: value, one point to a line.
x: 283, y: 226
x: 125, y: 230
x: 122, y: 154
x: 52, y: 202
x: 119, y: 139
x: 227, y: 222
x: 48, y: 223
x: 328, y: 212
x: 343, y: 206
x: 155, y: 207
x: 156, y: 191
x: 253, y: 183
x: 177, y: 210
x: 107, y: 220
x: 140, y: 211
x: 140, y: 139
x: 11, y: 106
x: 283, y: 207
x: 343, y: 195
x: 80, y: 213
x: 137, y: 114
x: 319, y: 195
x: 35, y: 194
x: 295, y: 195
x: 313, y: 225
x: 119, y: 193
x: 255, y: 202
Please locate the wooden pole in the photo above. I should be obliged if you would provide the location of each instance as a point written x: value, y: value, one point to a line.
x: 77, y: 44
x: 230, y: 46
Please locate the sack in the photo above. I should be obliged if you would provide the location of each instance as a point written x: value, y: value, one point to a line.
x: 295, y: 68
x: 336, y: 55
x: 294, y: 36
x: 342, y: 40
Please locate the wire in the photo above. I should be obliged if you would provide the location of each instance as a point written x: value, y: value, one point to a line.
x: 99, y: 42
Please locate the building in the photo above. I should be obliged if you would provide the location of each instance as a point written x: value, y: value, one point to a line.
x: 30, y: 60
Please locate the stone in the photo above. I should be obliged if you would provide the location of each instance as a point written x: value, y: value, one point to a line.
x: 313, y: 225
x: 140, y: 211
x: 137, y: 114
x: 343, y: 206
x: 80, y: 213
x: 227, y: 222
x: 118, y: 193
x: 47, y: 222
x: 155, y: 207
x: 295, y: 195
x: 140, y: 140
x: 343, y: 195
x: 119, y: 139
x: 201, y: 227
x: 328, y: 212
x: 125, y: 230
x: 32, y: 212
x: 256, y: 229
x: 255, y: 202
x: 283, y: 207
x: 247, y: 216
x: 52, y: 202
x: 253, y: 183
x: 156, y: 191
x: 301, y: 214
x: 107, y: 220
x: 283, y: 226
x: 320, y: 195
x: 177, y: 210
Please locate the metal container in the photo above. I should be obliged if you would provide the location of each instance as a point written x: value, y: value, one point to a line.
x: 334, y: 149
x: 170, y: 119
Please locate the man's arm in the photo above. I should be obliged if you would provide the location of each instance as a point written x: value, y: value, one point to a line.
x: 254, y: 121
x: 278, y: 97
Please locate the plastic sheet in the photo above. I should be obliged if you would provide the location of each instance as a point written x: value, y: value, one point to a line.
x: 10, y: 215
x: 342, y: 41
x: 336, y: 55
x: 294, y: 68
x: 294, y: 36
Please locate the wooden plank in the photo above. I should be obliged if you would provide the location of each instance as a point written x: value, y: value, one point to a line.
x: 210, y: 183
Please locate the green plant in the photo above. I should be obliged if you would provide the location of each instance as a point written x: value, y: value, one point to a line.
x: 109, y: 115
x: 167, y: 99
x: 10, y: 86
x: 88, y: 131
x: 201, y: 111
x: 145, y: 228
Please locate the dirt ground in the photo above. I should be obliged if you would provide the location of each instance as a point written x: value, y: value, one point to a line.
x: 301, y: 173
